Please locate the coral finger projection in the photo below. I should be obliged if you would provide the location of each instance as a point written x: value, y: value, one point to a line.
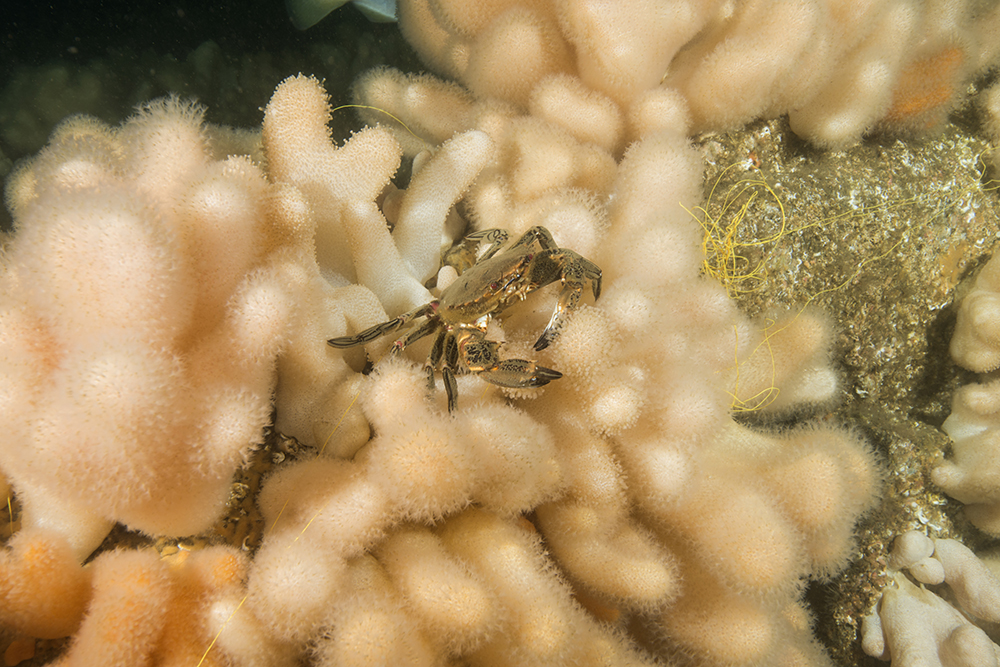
x: 579, y: 492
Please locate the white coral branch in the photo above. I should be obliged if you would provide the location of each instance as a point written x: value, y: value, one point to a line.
x: 914, y: 626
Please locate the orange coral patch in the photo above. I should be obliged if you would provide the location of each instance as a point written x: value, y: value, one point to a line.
x: 227, y: 570
x: 925, y: 84
x: 43, y: 590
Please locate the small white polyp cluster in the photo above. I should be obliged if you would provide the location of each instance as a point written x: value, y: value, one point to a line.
x: 972, y: 474
x: 917, y: 624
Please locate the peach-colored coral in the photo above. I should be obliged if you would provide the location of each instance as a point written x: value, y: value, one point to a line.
x: 541, y: 622
x: 836, y: 68
x: 147, y: 293
x: 43, y: 589
x: 125, y: 621
x: 151, y: 611
x: 671, y: 511
x: 591, y: 533
x: 693, y: 532
x: 370, y: 625
x: 141, y: 314
x: 327, y: 513
x: 456, y: 609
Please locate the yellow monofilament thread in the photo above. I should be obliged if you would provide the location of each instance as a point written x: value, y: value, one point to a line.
x: 771, y: 393
x: 322, y: 449
x: 222, y: 629
x: 371, y: 108
x: 721, y: 244
x: 204, y: 655
x: 847, y: 281
x: 724, y: 262
x: 274, y: 523
x: 336, y: 427
x: 305, y: 528
x: 270, y: 529
x: 764, y: 397
x: 343, y: 415
x: 340, y: 421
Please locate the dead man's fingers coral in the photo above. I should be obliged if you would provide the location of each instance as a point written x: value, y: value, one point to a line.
x: 371, y: 626
x: 127, y: 617
x: 542, y: 623
x: 44, y: 591
x: 454, y: 608
x: 322, y: 513
x: 433, y: 190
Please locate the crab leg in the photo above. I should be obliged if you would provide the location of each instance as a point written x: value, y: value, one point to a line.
x: 463, y: 254
x: 425, y: 329
x: 536, y: 234
x: 379, y: 330
x: 577, y: 272
x: 447, y: 374
x: 433, y: 359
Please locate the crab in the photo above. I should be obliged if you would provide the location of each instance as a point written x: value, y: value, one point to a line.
x: 484, y: 288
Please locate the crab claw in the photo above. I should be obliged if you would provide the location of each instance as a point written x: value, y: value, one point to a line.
x: 577, y: 272
x: 544, y: 340
x: 543, y: 376
x: 516, y: 373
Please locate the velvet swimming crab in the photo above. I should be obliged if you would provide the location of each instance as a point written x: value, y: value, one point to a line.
x: 484, y: 288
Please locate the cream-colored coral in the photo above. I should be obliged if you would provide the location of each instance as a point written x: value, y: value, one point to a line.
x: 971, y: 474
x: 976, y: 342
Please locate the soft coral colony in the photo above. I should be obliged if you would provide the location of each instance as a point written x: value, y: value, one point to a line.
x: 168, y: 279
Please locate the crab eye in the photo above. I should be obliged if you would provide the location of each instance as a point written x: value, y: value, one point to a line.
x: 494, y: 286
